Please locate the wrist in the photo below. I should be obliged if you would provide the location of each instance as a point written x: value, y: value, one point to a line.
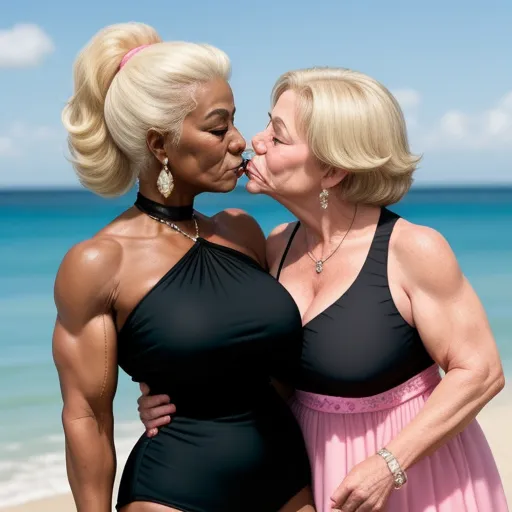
x: 397, y: 472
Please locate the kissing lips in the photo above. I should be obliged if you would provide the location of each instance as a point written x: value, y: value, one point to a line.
x: 252, y: 171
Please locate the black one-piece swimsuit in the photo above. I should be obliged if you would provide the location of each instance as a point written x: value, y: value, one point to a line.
x: 209, y: 334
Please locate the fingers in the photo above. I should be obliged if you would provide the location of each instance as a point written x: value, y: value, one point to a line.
x: 158, y: 422
x: 352, y: 503
x: 340, y: 496
x: 144, y: 388
x: 152, y: 432
x: 154, y: 413
x: 148, y: 402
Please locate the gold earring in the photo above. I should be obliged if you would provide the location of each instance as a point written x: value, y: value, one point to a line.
x: 165, y: 182
x: 324, y: 201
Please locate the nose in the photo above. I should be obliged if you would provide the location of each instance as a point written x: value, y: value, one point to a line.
x: 258, y: 143
x: 237, y: 144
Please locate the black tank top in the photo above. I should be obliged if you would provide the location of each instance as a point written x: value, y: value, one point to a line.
x: 360, y: 345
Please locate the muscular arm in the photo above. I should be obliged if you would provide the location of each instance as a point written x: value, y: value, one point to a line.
x: 84, y: 351
x: 454, y: 328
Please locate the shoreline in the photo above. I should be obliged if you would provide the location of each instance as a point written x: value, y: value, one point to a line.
x: 495, y: 420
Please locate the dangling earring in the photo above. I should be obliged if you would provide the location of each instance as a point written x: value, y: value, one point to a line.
x: 324, y: 201
x: 165, y: 182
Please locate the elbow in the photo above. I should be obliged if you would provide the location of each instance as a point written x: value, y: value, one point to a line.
x: 492, y: 382
x: 498, y: 382
x: 84, y: 417
x: 71, y: 414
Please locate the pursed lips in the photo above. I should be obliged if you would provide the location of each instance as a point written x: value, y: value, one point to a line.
x: 252, y: 169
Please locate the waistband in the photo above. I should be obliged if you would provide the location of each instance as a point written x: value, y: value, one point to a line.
x: 417, y: 385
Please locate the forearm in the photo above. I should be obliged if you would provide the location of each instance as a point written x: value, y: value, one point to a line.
x: 91, y: 462
x: 452, y: 406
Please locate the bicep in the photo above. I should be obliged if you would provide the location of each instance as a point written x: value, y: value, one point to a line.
x: 447, y: 312
x: 454, y: 327
x: 84, y: 339
x: 86, y: 362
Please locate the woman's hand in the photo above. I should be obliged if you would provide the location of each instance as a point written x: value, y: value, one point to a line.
x: 154, y: 411
x: 366, y: 488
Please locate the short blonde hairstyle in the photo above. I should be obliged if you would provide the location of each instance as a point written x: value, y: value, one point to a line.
x: 352, y: 122
x: 112, y: 109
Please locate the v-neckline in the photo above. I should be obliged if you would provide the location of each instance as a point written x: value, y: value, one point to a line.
x: 358, y: 275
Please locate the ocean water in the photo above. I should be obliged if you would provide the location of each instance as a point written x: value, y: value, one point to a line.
x: 36, y: 230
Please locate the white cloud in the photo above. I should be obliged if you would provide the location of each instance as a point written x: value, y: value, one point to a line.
x: 34, y: 155
x: 23, y: 46
x: 454, y: 124
x: 482, y: 130
x: 20, y: 139
x: 19, y: 130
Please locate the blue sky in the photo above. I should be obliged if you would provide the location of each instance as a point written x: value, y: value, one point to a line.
x: 448, y: 63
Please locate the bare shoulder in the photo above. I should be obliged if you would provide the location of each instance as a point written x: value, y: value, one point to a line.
x: 424, y: 255
x: 244, y: 230
x: 277, y: 240
x: 86, y: 277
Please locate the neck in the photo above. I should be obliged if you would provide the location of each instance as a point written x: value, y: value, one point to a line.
x: 322, y: 226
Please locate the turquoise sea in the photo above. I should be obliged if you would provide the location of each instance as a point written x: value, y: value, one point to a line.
x: 38, y: 227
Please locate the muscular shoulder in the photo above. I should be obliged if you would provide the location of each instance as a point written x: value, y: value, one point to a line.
x: 86, y: 278
x: 244, y: 230
x: 425, y: 257
x: 277, y: 240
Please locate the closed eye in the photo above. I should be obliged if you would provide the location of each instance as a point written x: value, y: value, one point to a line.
x: 219, y: 133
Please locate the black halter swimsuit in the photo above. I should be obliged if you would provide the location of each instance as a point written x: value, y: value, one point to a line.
x: 209, y: 334
x: 360, y: 345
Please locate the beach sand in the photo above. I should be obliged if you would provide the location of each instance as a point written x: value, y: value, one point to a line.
x: 495, y: 419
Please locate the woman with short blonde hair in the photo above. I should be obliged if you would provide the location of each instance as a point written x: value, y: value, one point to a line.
x: 383, y: 303
x: 352, y: 122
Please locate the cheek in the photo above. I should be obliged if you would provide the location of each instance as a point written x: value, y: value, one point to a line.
x: 283, y: 160
x: 202, y: 155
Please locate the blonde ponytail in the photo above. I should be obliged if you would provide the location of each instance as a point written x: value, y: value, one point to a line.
x: 111, y: 110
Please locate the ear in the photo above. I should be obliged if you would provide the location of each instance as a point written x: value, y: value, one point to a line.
x: 156, y: 144
x: 333, y: 176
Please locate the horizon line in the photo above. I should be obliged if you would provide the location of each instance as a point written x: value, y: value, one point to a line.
x: 424, y: 186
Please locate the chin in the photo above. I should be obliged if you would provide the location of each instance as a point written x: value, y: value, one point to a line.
x: 253, y: 187
x: 226, y: 185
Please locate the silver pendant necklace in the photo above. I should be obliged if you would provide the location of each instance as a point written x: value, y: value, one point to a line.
x: 319, y: 264
x: 178, y: 229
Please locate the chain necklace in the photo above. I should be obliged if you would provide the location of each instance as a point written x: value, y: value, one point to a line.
x: 319, y: 264
x: 178, y: 229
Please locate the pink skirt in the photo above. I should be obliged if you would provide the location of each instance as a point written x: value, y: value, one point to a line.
x: 341, y: 432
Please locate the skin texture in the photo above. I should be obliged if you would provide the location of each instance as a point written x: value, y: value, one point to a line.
x: 102, y: 279
x: 426, y: 283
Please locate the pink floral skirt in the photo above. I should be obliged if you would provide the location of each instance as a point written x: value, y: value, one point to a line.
x: 341, y: 432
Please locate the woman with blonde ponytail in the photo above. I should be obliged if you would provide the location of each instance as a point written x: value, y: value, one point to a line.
x: 162, y: 292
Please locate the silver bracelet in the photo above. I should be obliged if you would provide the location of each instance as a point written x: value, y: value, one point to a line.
x: 399, y: 476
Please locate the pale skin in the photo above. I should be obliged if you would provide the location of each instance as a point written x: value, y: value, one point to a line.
x: 426, y: 284
x: 102, y: 279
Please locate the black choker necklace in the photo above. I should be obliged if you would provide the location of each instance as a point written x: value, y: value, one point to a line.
x: 172, y: 213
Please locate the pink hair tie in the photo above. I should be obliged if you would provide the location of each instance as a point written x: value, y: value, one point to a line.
x: 131, y: 53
